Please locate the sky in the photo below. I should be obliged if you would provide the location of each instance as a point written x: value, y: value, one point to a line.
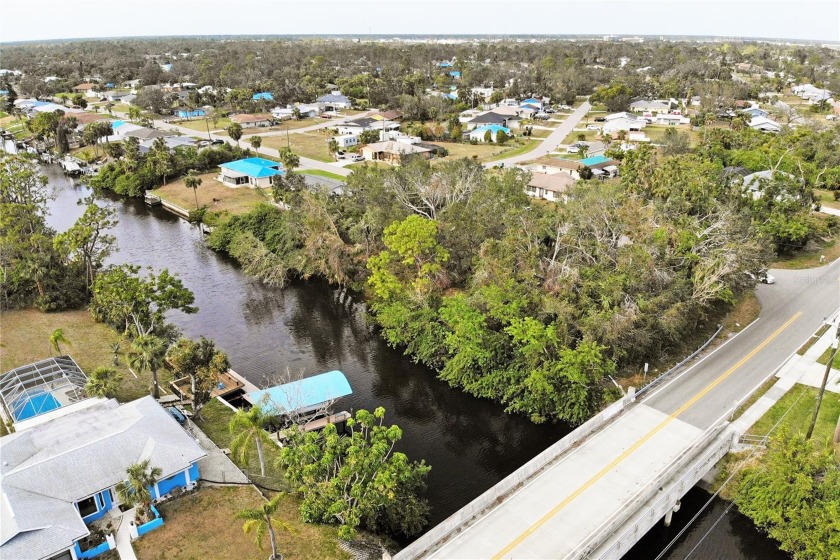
x: 33, y: 20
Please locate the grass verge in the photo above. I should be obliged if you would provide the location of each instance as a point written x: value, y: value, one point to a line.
x: 830, y: 249
x: 519, y: 150
x: 823, y: 359
x: 794, y: 411
x: 321, y: 173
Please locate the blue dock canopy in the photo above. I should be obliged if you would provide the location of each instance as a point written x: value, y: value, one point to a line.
x: 305, y: 394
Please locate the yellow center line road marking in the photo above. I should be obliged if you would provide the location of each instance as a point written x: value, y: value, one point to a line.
x: 615, y: 462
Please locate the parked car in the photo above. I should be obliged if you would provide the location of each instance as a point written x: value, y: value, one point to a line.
x: 763, y: 276
x: 573, y: 150
x: 600, y: 119
x: 593, y: 127
x: 179, y: 416
x: 217, y: 142
x: 548, y: 110
x: 340, y: 155
x: 564, y: 107
x: 357, y: 157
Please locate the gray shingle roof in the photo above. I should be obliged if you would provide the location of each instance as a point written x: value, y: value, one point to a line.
x: 49, y: 467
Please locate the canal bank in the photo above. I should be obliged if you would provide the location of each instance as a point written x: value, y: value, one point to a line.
x: 311, y: 327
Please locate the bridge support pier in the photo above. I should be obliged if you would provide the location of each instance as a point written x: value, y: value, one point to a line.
x: 670, y: 515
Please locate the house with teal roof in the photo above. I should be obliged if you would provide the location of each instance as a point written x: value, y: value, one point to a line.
x: 251, y: 172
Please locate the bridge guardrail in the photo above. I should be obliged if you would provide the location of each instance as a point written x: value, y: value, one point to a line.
x: 701, y: 461
x: 668, y: 373
x: 453, y: 524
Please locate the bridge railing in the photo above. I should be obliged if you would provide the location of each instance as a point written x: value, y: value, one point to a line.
x: 456, y: 522
x: 716, y: 443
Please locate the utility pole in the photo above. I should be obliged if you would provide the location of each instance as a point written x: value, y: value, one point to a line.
x: 822, y: 388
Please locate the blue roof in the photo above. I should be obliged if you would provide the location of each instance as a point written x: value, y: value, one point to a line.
x: 115, y: 124
x: 267, y: 95
x: 455, y: 74
x: 445, y: 64
x: 255, y: 167
x: 305, y: 393
x: 531, y: 100
x: 493, y: 128
x: 594, y: 160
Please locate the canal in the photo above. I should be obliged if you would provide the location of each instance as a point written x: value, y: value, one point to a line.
x: 311, y: 327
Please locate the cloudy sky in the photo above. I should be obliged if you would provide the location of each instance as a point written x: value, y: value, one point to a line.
x: 27, y: 20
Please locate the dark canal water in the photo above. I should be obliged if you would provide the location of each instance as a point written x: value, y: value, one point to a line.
x: 311, y: 327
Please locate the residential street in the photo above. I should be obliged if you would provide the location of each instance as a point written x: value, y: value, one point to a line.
x: 549, y: 144
x: 792, y: 310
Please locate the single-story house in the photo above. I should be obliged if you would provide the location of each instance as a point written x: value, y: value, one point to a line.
x: 310, y: 109
x: 494, y: 118
x: 185, y: 113
x: 480, y: 133
x: 346, y: 140
x: 357, y: 126
x: 334, y: 101
x: 650, y: 106
x: 254, y: 172
x: 521, y: 112
x: 392, y: 152
x: 128, y: 99
x: 124, y: 130
x: 263, y: 96
x: 89, y: 89
x: 671, y: 120
x: 132, y: 84
x: 60, y: 472
x: 623, y: 121
x: 171, y: 142
x: 537, y: 103
x: 456, y: 74
x: 755, y: 112
x: 445, y: 64
x: 549, y: 186
x: 390, y: 115
x: 764, y: 124
x: 812, y: 93
x: 253, y: 121
x: 754, y: 182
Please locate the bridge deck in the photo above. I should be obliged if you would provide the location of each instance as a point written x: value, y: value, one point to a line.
x: 554, y: 513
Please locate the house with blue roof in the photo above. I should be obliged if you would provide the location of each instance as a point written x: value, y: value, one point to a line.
x: 445, y: 64
x: 480, y: 133
x: 263, y: 96
x: 185, y: 113
x: 253, y: 172
x: 455, y: 74
x: 531, y: 102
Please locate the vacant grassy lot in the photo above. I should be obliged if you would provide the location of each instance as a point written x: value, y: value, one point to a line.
x: 794, y: 411
x: 200, y: 125
x: 285, y: 125
x: 307, y: 144
x: 24, y: 338
x: 213, y: 194
x: 202, y: 525
x: 830, y: 249
x: 515, y: 150
x: 467, y: 150
x: 574, y: 136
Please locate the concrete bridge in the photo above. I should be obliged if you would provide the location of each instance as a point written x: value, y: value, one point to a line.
x: 597, y: 491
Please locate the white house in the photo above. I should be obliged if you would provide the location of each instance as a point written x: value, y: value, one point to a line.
x: 623, y: 121
x: 357, y: 126
x: 253, y: 172
x: 764, y: 124
x: 549, y: 186
x: 650, y: 106
x: 334, y: 101
x: 346, y: 140
x: 669, y: 119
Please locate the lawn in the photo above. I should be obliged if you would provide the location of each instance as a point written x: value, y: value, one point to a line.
x: 307, y: 144
x: 466, y: 150
x: 524, y: 148
x: 285, y: 125
x: 24, y: 336
x: 321, y: 173
x: 203, y: 525
x: 589, y: 136
x: 213, y: 194
x: 200, y: 125
x: 380, y: 164
x: 794, y: 411
x: 826, y: 198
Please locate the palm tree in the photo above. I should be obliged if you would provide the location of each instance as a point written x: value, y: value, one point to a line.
x: 147, y: 354
x: 56, y: 338
x: 192, y: 181
x: 256, y: 142
x: 248, y: 427
x: 261, y: 520
x: 103, y: 382
x: 133, y: 113
x: 332, y: 146
x: 135, y: 490
x: 583, y: 149
x: 289, y: 159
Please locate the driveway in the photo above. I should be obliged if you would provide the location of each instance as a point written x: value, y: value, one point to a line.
x: 550, y: 143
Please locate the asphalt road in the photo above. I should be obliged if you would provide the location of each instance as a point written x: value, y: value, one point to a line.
x: 550, y: 143
x: 792, y: 309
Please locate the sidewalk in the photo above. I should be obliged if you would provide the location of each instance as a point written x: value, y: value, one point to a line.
x: 124, y: 548
x: 798, y: 369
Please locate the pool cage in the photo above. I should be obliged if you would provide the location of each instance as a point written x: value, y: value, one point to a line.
x: 38, y: 388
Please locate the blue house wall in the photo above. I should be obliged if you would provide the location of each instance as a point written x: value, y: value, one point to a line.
x: 103, y: 504
x: 178, y: 480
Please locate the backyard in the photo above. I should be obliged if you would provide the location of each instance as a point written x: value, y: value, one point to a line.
x: 203, y: 525
x: 25, y: 335
x: 211, y: 193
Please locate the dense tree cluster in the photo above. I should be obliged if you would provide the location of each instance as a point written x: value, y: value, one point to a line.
x: 135, y: 173
x: 41, y: 268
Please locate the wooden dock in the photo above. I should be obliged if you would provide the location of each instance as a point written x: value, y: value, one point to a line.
x: 152, y: 199
x: 228, y: 383
x: 319, y: 423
